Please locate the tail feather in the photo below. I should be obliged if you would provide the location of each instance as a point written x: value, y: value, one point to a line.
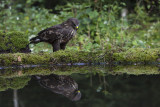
x: 35, y: 40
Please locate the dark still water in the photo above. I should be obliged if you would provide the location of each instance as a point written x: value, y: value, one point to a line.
x: 95, y: 91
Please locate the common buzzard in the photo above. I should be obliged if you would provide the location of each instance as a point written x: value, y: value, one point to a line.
x: 60, y: 84
x: 59, y: 35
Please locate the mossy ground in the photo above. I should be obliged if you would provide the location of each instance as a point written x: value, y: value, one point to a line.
x: 138, y: 55
x: 17, y: 78
x: 13, y: 41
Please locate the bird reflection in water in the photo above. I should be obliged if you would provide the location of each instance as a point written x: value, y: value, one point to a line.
x: 61, y: 84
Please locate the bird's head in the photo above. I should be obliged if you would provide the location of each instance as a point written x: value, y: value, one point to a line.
x: 76, y: 95
x: 73, y: 96
x: 73, y: 22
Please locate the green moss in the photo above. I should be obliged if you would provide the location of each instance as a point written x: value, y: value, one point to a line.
x: 3, y: 41
x: 137, y: 55
x: 65, y: 57
x: 13, y: 41
x: 73, y: 56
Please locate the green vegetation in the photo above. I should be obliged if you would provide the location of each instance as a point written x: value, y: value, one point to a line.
x: 138, y: 55
x: 102, y: 24
x: 113, y: 32
x: 13, y: 41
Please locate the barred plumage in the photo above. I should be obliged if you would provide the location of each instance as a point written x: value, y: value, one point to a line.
x: 60, y: 84
x: 58, y: 35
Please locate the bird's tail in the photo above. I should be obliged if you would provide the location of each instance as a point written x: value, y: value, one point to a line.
x: 37, y: 77
x: 35, y: 40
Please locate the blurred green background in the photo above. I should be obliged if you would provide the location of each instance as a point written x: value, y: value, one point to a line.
x: 104, y: 24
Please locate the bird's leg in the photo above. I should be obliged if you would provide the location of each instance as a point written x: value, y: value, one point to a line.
x: 56, y: 45
x: 63, y: 46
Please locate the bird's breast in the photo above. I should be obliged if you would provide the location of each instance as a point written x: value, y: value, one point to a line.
x: 68, y: 35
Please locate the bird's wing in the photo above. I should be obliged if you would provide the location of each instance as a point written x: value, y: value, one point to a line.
x: 52, y: 33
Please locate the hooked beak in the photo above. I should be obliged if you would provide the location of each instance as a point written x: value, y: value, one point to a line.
x: 76, y: 27
x: 78, y: 91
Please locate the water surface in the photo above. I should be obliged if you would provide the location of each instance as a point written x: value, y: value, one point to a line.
x: 98, y: 88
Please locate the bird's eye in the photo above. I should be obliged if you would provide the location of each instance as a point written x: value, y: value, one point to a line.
x: 74, y: 24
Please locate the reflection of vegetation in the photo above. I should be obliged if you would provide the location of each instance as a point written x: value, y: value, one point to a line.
x: 68, y: 70
x: 100, y: 86
x: 137, y: 70
x: 61, y: 70
x: 125, y: 91
x: 13, y: 83
x: 65, y: 57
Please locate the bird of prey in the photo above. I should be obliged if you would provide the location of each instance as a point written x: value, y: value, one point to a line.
x: 60, y: 84
x: 59, y: 35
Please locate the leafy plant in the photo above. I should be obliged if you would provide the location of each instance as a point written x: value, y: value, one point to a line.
x: 102, y: 25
